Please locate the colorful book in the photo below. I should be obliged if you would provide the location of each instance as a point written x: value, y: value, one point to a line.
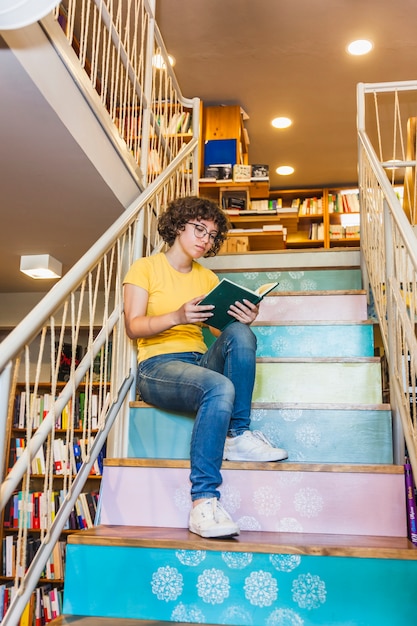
x: 227, y: 293
x: 411, y: 502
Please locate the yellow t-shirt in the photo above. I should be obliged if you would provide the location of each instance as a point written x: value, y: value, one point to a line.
x: 169, y: 289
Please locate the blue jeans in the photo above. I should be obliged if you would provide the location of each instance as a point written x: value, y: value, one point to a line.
x: 217, y: 386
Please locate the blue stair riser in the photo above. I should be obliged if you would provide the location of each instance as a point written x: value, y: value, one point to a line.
x: 315, y: 340
x: 319, y: 382
x: 322, y: 340
x: 299, y: 280
x: 238, y: 588
x: 309, y: 435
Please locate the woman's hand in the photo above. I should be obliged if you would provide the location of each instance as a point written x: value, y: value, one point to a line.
x: 192, y: 313
x: 245, y: 312
x: 140, y: 325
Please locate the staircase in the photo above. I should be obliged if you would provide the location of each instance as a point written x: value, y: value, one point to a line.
x: 324, y: 534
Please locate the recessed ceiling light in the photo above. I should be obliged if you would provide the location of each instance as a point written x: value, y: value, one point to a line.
x: 359, y: 47
x: 281, y: 122
x: 285, y: 170
x: 159, y: 62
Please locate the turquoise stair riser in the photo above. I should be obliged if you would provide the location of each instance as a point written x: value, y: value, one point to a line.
x: 299, y: 280
x: 238, y: 588
x: 275, y: 498
x: 315, y: 340
x: 309, y: 435
x: 319, y: 382
x: 311, y: 340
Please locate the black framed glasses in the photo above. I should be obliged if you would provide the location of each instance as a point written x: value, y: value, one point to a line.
x: 201, y: 231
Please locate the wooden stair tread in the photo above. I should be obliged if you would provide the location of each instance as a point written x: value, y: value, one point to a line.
x: 302, y: 322
x: 273, y: 466
x: 319, y: 359
x: 321, y: 406
x: 87, y: 620
x: 251, y: 541
x: 327, y: 292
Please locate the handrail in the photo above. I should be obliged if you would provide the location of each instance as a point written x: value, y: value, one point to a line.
x: 131, y: 94
x: 35, y: 320
x: 389, y: 252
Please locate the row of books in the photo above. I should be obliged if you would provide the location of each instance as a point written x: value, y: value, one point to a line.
x: 38, y: 405
x: 54, y: 569
x: 177, y: 123
x: 337, y: 231
x: 346, y: 202
x: 36, y: 513
x: 67, y: 458
x: 221, y: 172
x: 44, y: 605
x: 311, y: 206
x: 316, y: 231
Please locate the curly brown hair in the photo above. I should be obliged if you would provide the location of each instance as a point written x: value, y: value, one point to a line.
x: 182, y: 210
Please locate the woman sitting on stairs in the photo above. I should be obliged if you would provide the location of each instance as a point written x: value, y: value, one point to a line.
x: 177, y: 372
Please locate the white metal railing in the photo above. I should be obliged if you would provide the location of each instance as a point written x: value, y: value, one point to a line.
x: 121, y: 50
x: 387, y: 170
x: 80, y: 321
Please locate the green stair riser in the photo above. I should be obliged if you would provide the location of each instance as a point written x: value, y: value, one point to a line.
x: 319, y: 382
x: 299, y: 280
x: 238, y: 588
x: 309, y: 435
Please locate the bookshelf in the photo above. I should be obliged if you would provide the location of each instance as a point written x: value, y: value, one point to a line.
x: 223, y: 131
x: 343, y: 216
x: 42, y: 504
x: 311, y: 218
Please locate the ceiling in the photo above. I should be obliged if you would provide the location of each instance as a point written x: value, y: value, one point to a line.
x: 271, y: 57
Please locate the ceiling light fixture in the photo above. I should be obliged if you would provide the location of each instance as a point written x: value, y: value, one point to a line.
x: 281, y: 122
x: 359, y: 47
x: 40, y: 266
x: 158, y: 61
x: 285, y: 170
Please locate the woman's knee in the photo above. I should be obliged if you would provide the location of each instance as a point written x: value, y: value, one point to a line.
x: 242, y: 334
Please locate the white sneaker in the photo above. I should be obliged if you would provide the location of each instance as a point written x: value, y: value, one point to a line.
x: 252, y: 446
x: 209, y: 519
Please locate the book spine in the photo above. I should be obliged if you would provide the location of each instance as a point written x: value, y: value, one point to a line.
x: 411, y: 503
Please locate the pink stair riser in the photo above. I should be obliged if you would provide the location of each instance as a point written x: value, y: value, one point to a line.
x: 320, y: 307
x: 358, y: 503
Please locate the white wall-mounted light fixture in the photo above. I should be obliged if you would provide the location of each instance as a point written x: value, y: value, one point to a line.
x: 40, y: 266
x: 20, y: 13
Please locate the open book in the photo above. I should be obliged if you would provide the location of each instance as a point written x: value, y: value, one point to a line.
x: 225, y: 293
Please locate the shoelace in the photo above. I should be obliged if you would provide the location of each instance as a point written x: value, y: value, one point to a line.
x: 259, y: 435
x: 216, y: 509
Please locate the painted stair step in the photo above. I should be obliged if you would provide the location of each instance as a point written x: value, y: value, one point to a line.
x: 325, y: 434
x: 317, y: 306
x: 337, y: 499
x: 286, y: 542
x: 86, y: 620
x: 252, y: 579
x: 298, y: 280
x: 319, y: 381
x: 313, y: 339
